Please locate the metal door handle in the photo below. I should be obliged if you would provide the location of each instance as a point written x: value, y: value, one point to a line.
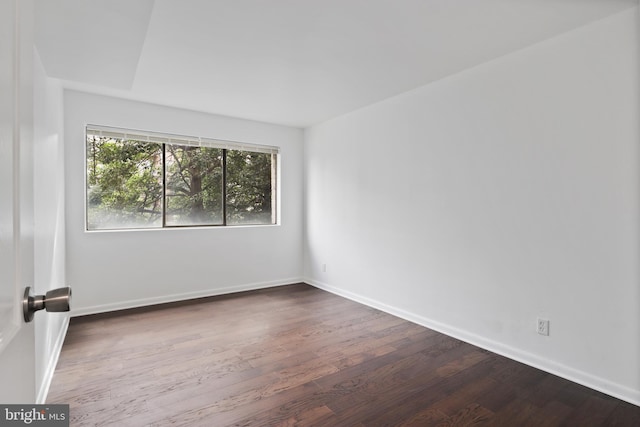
x: 56, y: 300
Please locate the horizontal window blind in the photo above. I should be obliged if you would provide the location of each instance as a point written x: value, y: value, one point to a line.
x: 163, y: 138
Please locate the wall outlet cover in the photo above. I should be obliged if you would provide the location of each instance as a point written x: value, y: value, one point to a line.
x: 543, y: 326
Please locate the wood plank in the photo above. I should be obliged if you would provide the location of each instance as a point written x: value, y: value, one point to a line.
x: 296, y: 355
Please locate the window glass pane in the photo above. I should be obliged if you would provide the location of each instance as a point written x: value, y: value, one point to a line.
x: 193, y: 185
x: 250, y: 187
x: 124, y: 183
x: 137, y: 179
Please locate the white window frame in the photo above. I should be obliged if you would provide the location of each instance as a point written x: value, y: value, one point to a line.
x: 165, y: 138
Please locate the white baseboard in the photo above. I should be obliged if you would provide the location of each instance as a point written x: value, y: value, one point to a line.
x: 584, y: 378
x: 123, y: 305
x: 43, y: 391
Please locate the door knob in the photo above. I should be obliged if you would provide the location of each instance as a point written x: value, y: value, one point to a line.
x: 56, y: 300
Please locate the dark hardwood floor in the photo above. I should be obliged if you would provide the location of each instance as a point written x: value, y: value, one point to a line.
x: 296, y: 355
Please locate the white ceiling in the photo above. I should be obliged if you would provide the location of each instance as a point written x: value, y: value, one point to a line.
x: 292, y: 62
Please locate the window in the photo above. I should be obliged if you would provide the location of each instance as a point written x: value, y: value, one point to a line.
x: 150, y: 180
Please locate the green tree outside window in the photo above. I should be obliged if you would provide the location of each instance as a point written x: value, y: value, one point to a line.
x: 139, y: 184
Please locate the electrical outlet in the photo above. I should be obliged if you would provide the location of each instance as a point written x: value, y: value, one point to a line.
x: 543, y: 326
x: 324, y: 268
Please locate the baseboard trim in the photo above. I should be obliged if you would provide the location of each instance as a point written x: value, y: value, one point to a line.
x: 580, y: 377
x: 143, y: 302
x: 43, y: 391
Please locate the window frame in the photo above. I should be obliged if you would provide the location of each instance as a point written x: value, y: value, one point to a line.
x: 164, y: 139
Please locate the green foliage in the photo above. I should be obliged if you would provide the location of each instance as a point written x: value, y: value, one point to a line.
x: 249, y: 187
x: 194, y: 185
x: 125, y: 185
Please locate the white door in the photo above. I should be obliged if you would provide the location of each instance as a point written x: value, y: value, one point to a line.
x: 17, y: 339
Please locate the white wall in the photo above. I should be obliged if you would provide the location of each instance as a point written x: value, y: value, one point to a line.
x: 49, y: 232
x: 509, y: 191
x: 119, y: 269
